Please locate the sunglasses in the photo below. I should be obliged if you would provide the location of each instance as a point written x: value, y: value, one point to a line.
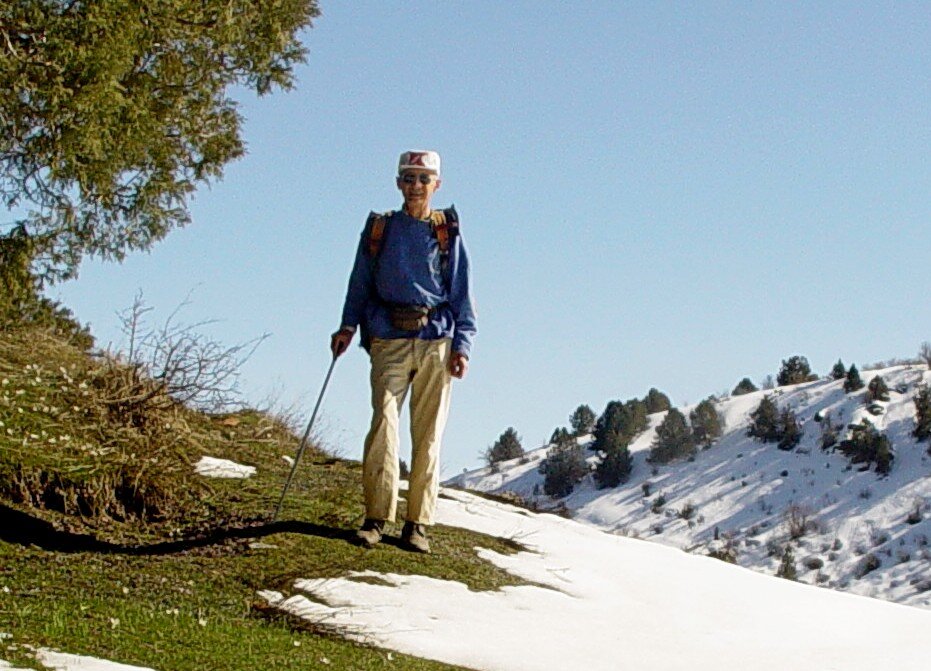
x: 422, y: 178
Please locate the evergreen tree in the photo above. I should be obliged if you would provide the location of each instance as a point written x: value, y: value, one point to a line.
x: 563, y: 468
x: 745, y: 386
x: 114, y: 112
x: 582, y: 420
x: 764, y: 423
x: 839, y: 372
x: 673, y: 439
x: 867, y: 445
x: 706, y: 422
x: 828, y: 432
x: 789, y: 432
x: 877, y: 389
x: 625, y: 420
x: 795, y: 370
x: 923, y: 413
x: 561, y: 435
x: 507, y: 447
x: 656, y: 401
x: 787, y: 568
x: 853, y: 381
x: 615, y: 464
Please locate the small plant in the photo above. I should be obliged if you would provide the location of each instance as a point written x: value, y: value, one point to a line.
x: 787, y: 568
x: 688, y: 511
x: 877, y: 389
x: 658, y: 504
x: 797, y: 521
x: 867, y: 564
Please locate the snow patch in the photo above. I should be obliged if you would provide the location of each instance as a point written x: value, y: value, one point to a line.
x: 212, y: 467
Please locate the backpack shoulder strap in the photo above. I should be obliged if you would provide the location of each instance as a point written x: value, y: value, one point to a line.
x: 445, y: 227
x: 375, y: 232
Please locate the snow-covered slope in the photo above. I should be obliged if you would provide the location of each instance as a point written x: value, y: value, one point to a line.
x: 600, y: 602
x: 750, y: 498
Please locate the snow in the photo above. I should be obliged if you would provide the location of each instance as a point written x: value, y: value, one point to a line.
x: 598, y: 601
x: 744, y: 491
x: 64, y: 662
x: 212, y: 467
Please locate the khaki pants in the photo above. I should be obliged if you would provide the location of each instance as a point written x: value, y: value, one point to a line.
x: 399, y: 365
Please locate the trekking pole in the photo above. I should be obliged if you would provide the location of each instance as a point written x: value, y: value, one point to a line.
x: 303, y: 445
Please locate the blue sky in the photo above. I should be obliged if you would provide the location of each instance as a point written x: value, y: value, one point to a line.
x: 659, y: 195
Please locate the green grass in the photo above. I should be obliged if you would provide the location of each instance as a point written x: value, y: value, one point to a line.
x: 178, y: 592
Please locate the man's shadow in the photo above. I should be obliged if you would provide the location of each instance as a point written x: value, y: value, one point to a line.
x: 19, y: 528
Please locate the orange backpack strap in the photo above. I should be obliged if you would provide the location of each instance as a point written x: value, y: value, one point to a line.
x: 375, y: 227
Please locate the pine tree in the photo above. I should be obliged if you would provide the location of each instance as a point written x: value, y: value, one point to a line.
x: 113, y: 113
x: 923, y: 413
x: 656, y: 401
x: 764, y: 423
x: 787, y: 568
x: 563, y: 468
x: 508, y: 446
x: 673, y: 439
x: 853, y: 382
x: 878, y: 390
x: 789, y: 432
x: 625, y: 420
x: 839, y: 372
x: 582, y: 420
x: 615, y: 464
x: 560, y: 435
x: 795, y: 370
x: 706, y: 422
x: 867, y: 445
x: 745, y: 386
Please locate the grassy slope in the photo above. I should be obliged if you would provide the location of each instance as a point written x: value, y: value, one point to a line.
x: 175, y: 590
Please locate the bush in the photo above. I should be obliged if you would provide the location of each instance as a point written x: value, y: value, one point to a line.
x: 508, y: 446
x: 795, y: 370
x: 673, y: 439
x: 828, y: 432
x: 867, y: 445
x: 877, y: 389
x: 924, y: 353
x: 707, y: 424
x: 582, y: 420
x: 923, y: 413
x: 787, y: 568
x: 745, y: 386
x: 853, y: 382
x: 563, y: 468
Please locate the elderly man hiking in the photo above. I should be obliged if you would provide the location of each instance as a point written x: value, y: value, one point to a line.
x: 409, y: 295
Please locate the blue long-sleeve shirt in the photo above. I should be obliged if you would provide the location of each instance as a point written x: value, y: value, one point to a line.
x: 408, y: 271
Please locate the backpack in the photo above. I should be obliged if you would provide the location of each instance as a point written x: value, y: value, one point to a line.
x: 445, y: 227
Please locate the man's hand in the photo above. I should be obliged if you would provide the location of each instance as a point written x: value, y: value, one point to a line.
x: 339, y: 342
x: 458, y: 365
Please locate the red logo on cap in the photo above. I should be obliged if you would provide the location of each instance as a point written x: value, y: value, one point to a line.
x: 416, y: 158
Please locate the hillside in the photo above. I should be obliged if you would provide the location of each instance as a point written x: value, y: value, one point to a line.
x: 848, y: 528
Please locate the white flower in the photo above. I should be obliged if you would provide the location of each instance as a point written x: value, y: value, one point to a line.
x: 2, y: 424
x: 114, y: 622
x: 5, y: 382
x: 297, y: 644
x: 202, y: 621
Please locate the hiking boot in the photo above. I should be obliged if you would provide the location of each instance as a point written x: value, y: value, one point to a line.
x: 414, y: 537
x: 370, y: 534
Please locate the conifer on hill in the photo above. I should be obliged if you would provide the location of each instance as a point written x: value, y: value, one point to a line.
x: 673, y: 439
x: 563, y: 468
x: 795, y: 370
x: 615, y: 464
x: 706, y: 422
x: 656, y: 401
x: 582, y: 420
x: 923, y: 413
x: 853, y: 382
x: 508, y: 446
x: 867, y: 445
x: 625, y: 420
x: 839, y: 372
x: 745, y: 386
x: 789, y: 431
x: 764, y: 422
x: 878, y: 390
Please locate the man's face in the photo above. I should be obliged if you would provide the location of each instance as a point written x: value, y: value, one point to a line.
x: 418, y: 186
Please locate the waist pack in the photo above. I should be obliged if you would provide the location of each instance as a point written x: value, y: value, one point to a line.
x: 409, y: 317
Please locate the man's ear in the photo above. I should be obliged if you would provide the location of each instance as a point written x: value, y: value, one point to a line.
x: 439, y: 183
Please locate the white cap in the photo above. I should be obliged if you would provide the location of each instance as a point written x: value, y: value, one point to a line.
x: 420, y: 160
